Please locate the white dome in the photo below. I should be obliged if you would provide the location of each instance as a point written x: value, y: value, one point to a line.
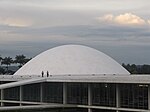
x: 72, y: 59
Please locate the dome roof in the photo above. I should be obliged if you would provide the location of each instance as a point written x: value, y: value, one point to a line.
x: 72, y: 59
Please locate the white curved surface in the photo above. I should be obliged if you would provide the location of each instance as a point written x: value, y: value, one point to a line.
x: 72, y: 59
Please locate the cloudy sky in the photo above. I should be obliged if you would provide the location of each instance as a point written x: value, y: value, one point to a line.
x: 119, y: 28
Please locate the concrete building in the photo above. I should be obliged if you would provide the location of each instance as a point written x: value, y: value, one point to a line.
x: 74, y: 78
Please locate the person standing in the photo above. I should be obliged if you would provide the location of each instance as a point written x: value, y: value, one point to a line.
x: 42, y: 74
x: 47, y: 74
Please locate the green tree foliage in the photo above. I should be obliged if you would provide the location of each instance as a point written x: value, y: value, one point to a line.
x: 2, y: 70
x: 7, y: 61
x: 0, y: 58
x: 137, y: 69
x: 21, y: 60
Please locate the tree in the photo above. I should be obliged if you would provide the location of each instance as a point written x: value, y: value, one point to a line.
x: 7, y: 61
x: 21, y: 60
x: 1, y: 58
x: 2, y: 70
x: 137, y: 69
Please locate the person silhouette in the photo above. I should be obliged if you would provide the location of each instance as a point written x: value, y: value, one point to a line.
x: 42, y: 74
x: 47, y: 74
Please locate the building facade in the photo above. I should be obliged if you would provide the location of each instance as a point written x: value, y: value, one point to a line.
x: 90, y: 93
x: 74, y: 78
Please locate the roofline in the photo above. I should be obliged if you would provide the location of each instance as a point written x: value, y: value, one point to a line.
x: 20, y: 83
x: 91, y: 78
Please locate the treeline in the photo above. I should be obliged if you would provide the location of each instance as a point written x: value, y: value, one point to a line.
x: 6, y: 62
x: 20, y: 60
x: 137, y: 69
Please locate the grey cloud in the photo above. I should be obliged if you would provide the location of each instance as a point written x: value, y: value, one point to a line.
x: 125, y: 44
x: 54, y: 26
x: 91, y: 33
